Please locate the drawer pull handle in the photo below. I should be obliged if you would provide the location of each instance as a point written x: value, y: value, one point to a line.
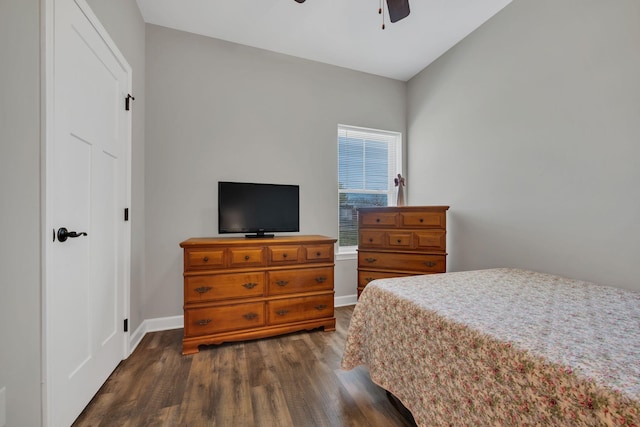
x: 318, y: 253
x: 377, y: 219
x: 320, y: 307
x: 284, y: 255
x: 321, y: 279
x: 203, y: 289
x: 282, y: 282
x: 282, y: 312
x: 399, y: 241
x: 370, y: 240
x: 250, y: 285
x: 368, y: 279
x: 370, y: 259
x: 247, y: 257
x: 421, y: 219
x: 205, y: 259
x: 203, y: 322
x: 250, y: 316
x: 429, y: 263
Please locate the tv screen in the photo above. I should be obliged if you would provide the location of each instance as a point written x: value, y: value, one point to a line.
x: 258, y: 208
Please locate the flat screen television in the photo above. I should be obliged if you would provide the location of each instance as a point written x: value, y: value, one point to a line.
x: 245, y: 207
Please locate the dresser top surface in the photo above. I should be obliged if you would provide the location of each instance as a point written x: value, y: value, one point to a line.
x: 404, y: 209
x: 243, y: 241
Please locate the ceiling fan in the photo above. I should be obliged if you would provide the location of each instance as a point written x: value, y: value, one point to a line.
x: 398, y: 9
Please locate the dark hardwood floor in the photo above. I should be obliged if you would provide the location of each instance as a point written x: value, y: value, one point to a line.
x: 291, y: 380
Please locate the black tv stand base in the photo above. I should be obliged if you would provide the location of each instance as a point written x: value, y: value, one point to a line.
x: 259, y: 236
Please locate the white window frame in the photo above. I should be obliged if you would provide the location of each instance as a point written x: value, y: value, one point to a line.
x: 394, y: 168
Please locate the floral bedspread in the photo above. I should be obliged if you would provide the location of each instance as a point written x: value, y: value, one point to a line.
x: 501, y: 347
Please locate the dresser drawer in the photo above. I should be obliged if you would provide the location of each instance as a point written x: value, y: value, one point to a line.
x: 377, y: 219
x: 435, y: 240
x: 319, y: 253
x: 303, y: 280
x: 364, y: 276
x: 399, y: 240
x: 371, y: 239
x: 203, y: 321
x: 284, y: 254
x: 246, y: 257
x: 402, y: 262
x: 423, y: 219
x: 223, y: 286
x: 300, y: 309
x: 203, y: 259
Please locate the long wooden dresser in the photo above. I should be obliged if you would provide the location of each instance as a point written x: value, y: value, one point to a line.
x: 401, y: 241
x: 237, y: 288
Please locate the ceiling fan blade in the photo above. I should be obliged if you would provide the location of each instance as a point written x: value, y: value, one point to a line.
x: 398, y: 9
x: 300, y: 1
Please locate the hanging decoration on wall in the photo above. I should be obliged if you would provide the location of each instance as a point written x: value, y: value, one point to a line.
x: 400, y: 183
x: 398, y: 9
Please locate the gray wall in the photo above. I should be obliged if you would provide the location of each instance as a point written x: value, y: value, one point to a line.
x: 529, y: 128
x: 20, y: 188
x: 20, y: 211
x: 222, y: 111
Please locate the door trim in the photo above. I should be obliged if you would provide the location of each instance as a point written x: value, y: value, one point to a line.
x: 47, y: 127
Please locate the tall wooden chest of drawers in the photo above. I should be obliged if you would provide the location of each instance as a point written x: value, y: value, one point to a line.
x: 401, y: 241
x: 237, y: 288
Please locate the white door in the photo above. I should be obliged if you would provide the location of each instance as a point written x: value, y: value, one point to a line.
x: 87, y: 190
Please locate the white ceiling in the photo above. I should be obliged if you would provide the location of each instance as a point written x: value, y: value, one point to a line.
x: 346, y: 33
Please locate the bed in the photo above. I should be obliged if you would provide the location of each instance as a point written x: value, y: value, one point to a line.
x: 501, y: 347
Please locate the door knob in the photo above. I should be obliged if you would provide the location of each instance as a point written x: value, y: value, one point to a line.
x: 64, y: 234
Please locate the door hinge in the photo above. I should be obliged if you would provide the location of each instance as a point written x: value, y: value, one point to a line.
x: 126, y: 214
x: 126, y: 325
x: 126, y: 101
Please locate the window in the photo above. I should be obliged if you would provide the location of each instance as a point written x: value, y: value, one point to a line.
x: 368, y: 161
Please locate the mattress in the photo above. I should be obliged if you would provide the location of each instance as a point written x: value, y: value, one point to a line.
x: 501, y: 347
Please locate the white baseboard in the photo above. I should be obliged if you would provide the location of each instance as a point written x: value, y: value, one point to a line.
x: 154, y: 325
x: 177, y: 322
x: 346, y: 300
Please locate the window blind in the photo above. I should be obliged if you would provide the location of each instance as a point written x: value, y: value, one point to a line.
x: 368, y: 161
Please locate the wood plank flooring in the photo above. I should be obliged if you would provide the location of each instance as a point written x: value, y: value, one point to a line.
x: 292, y: 380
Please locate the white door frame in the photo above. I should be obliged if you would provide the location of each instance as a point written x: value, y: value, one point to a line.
x: 47, y: 126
